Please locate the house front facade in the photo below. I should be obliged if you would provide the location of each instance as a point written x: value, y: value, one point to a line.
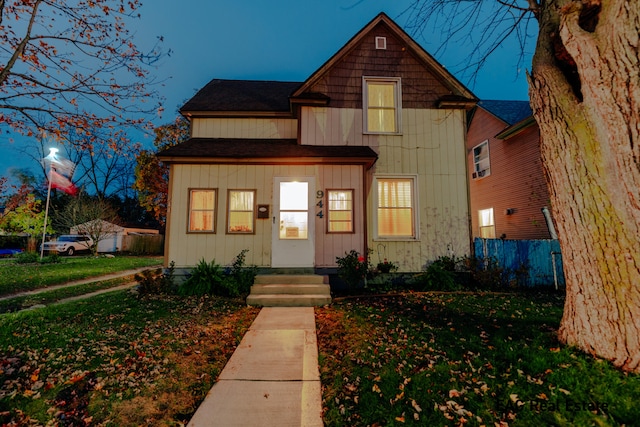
x: 367, y: 154
x: 509, y: 195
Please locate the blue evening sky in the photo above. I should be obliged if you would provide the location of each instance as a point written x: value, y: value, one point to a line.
x: 283, y: 40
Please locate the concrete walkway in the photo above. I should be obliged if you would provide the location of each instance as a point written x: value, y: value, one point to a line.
x: 272, y: 379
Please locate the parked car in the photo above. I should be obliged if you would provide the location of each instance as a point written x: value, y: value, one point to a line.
x: 69, y: 244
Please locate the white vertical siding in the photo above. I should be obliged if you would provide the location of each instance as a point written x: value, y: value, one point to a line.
x: 331, y: 126
x: 268, y: 128
x: 433, y: 147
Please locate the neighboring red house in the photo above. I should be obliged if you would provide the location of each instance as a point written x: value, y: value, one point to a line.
x: 507, y: 185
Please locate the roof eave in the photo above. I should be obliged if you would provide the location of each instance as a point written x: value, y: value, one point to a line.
x: 368, y: 162
x: 515, y: 129
x: 235, y: 114
x: 466, y: 104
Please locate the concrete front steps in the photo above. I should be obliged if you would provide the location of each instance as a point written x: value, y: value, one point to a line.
x: 290, y: 290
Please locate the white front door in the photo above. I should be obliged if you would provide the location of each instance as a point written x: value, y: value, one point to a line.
x: 293, y: 222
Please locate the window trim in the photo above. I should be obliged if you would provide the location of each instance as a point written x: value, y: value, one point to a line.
x: 253, y: 211
x: 353, y: 208
x: 477, y: 173
x: 397, y: 82
x: 215, y: 211
x: 415, y: 211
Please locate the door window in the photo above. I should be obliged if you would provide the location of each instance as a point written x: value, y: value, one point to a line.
x: 294, y: 207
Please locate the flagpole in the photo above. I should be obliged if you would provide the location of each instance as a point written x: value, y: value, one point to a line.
x: 52, y: 154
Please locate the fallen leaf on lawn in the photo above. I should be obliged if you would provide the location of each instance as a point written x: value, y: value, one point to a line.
x: 564, y: 391
x: 416, y: 406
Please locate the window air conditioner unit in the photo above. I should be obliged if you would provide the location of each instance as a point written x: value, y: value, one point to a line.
x: 479, y: 174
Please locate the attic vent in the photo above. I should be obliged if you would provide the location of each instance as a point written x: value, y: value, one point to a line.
x: 381, y: 42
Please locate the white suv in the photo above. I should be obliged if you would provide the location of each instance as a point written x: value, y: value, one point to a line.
x: 69, y: 244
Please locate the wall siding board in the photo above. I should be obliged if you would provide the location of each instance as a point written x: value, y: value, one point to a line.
x: 244, y: 128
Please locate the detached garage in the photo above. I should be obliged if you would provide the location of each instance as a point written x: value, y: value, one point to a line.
x: 116, y: 238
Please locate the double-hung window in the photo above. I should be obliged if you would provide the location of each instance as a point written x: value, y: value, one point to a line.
x: 340, y: 211
x: 487, y: 224
x: 382, y: 105
x: 202, y: 210
x: 241, y: 211
x: 396, y: 208
x: 481, y: 162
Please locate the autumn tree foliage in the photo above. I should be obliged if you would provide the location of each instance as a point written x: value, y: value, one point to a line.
x: 71, y: 66
x: 584, y: 85
x: 152, y: 176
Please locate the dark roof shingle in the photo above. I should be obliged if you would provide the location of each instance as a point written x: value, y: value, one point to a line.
x: 242, y: 95
x: 510, y: 112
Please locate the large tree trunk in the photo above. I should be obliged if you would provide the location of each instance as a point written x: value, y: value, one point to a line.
x: 585, y: 93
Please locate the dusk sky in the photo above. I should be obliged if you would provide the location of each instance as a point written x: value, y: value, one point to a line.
x: 283, y: 40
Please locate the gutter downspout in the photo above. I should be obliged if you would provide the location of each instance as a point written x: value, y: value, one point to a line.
x: 554, y: 236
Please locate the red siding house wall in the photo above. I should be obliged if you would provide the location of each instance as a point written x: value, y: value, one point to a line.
x: 514, y: 186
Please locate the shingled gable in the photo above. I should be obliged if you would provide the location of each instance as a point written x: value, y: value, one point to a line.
x: 454, y: 95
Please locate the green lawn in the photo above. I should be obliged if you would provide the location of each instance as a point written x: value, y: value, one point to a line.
x: 25, y: 277
x: 423, y: 359
x: 463, y: 359
x: 116, y: 360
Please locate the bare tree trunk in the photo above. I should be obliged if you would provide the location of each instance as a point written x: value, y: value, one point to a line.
x: 585, y: 93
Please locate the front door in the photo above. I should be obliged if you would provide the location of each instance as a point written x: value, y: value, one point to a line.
x: 293, y: 222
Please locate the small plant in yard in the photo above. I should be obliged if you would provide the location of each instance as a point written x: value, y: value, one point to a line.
x: 205, y: 279
x: 27, y: 258
x: 386, y: 267
x: 353, y: 268
x: 435, y: 278
x: 212, y: 279
x: 156, y: 281
x: 53, y: 258
x: 240, y: 277
x: 486, y: 274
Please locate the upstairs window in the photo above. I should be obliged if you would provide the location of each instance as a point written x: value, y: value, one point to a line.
x: 381, y: 105
x: 481, y: 163
x: 396, y: 208
x: 241, y: 212
x: 202, y: 210
x: 340, y: 211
